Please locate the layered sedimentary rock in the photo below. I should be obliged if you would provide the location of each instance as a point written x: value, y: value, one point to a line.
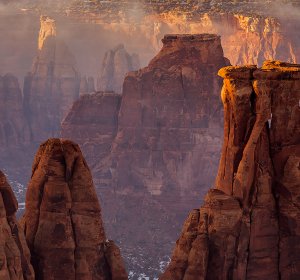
x: 14, y: 252
x: 62, y: 220
x: 52, y: 85
x: 248, y: 227
x: 14, y: 128
x: 145, y: 151
x: 116, y: 64
x: 246, y: 39
x: 170, y: 119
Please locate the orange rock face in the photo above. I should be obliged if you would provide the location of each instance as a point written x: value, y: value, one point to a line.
x: 14, y: 253
x: 62, y: 220
x: 248, y: 227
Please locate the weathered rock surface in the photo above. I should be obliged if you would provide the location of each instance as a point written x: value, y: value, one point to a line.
x: 14, y: 252
x: 248, y: 227
x: 170, y: 119
x: 246, y: 38
x: 14, y: 128
x: 62, y: 220
x: 52, y: 85
x: 116, y: 64
x: 93, y: 123
x: 147, y: 159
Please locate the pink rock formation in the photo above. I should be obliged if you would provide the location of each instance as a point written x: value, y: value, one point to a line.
x: 248, y: 227
x: 62, y: 220
x: 53, y: 84
x: 116, y: 64
x: 14, y: 253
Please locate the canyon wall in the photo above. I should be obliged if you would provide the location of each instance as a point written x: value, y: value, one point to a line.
x: 14, y: 252
x: 246, y: 39
x: 145, y: 147
x: 52, y: 85
x: 248, y: 226
x: 62, y: 220
x: 116, y: 64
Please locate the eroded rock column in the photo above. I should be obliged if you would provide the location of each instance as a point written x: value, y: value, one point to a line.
x: 252, y: 215
x: 63, y: 224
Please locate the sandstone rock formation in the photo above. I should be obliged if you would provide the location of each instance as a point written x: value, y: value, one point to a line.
x: 147, y: 159
x: 93, y: 123
x: 246, y: 38
x: 14, y: 128
x: 53, y: 84
x: 14, y: 253
x: 170, y: 118
x: 62, y: 220
x: 248, y: 227
x: 116, y: 64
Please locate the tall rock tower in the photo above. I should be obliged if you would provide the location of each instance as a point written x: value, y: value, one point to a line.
x: 62, y: 221
x: 52, y: 85
x: 116, y: 64
x: 249, y: 225
x: 155, y: 153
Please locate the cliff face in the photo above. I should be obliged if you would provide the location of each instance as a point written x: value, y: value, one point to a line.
x: 170, y: 118
x: 251, y: 40
x: 145, y: 147
x: 248, y: 227
x: 52, y: 85
x: 246, y: 38
x: 14, y: 129
x: 14, y: 256
x: 62, y: 221
x: 116, y: 64
x: 93, y: 123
